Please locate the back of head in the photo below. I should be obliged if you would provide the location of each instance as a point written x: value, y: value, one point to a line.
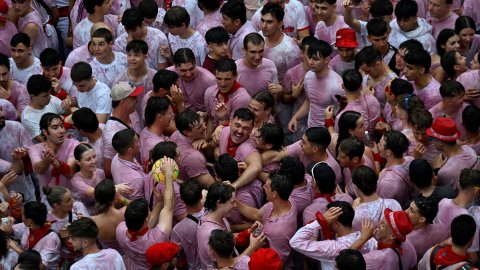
x: 381, y: 8
x: 396, y: 142
x: 419, y: 57
x: 452, y: 89
x: 365, y: 179
x: 369, y: 55
x: 36, y: 211
x: 191, y: 192
x: 324, y: 177
x: 183, y: 56
x: 163, y: 149
x: 81, y: 71
x: 307, y: 42
x: 156, y: 106
x: 85, y: 119
x: 49, y: 58
x: 275, y: 10
x: 104, y: 194
x: 462, y: 230
x: 410, y: 103
x: 442, y: 39
x: 470, y: 116
x: 377, y: 27
x: 346, y: 217
x: 20, y: 38
x: 177, y: 17
x: 136, y: 214
x: 352, y: 148
x: 186, y: 120
x: 217, y: 35
x: 226, y: 168
x: 293, y: 169
x: 218, y: 193
x: 165, y: 78
x: 149, y: 9
x: 235, y: 10
x: 132, y: 18
x: 469, y: 178
x: 400, y: 87
x: 281, y: 185
x: 421, y: 173
x: 91, y: 4
x: 352, y: 80
x: 448, y: 62
x: 427, y: 207
x: 38, y: 84
x: 350, y: 259
x: 406, y: 9
x: 4, y: 61
x: 210, y: 5
x: 29, y: 259
x: 123, y: 140
x: 272, y: 133
x: 409, y: 44
x: 318, y: 136
x: 84, y: 228
x: 319, y: 48
x: 222, y: 242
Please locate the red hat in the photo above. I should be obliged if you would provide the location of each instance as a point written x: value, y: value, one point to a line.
x: 399, y: 222
x: 444, y: 129
x: 346, y: 38
x: 264, y: 258
x: 161, y: 253
x: 3, y: 9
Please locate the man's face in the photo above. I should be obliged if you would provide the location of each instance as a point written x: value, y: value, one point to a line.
x: 372, y: 70
x: 77, y: 243
x: 414, y: 214
x: 136, y: 60
x: 461, y: 62
x: 324, y: 10
x: 4, y: 77
x: 383, y: 231
x: 197, y: 130
x: 187, y: 71
x: 101, y: 47
x: 344, y: 160
x: 240, y: 130
x: 168, y: 117
x: 411, y: 72
x: 438, y: 8
x: 55, y: 132
x: 229, y: 24
x: 318, y: 63
x: 51, y: 72
x: 399, y: 59
x: 227, y: 207
x: 137, y: 33
x: 381, y: 147
x: 258, y: 110
x: 347, y: 54
x: 408, y: 24
x: 259, y: 141
x: 2, y: 118
x: 270, y: 25
x: 225, y: 81
x: 268, y: 190
x: 254, y: 53
x: 42, y: 100
x: 20, y: 53
x: 307, y: 147
x: 380, y: 42
x: 136, y: 145
x: 83, y: 86
x: 219, y: 49
x: 130, y: 104
x: 420, y: 135
x: 453, y: 104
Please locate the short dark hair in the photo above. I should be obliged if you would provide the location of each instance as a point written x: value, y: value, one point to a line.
x: 380, y: 8
x: 254, y: 38
x: 324, y: 177
x: 29, y: 259
x: 163, y: 149
x: 176, y: 17
x: 410, y: 43
x: 132, y: 18
x: 4, y: 61
x: 226, y: 168
x: 401, y: 86
x: 191, y: 192
x: 137, y: 46
x: 273, y: 9
x: 427, y: 207
x: 352, y: 147
x: 20, y: 38
x: 103, y: 33
x: 149, y: 9
x: 235, y: 9
x: 406, y: 9
x: 104, y: 195
x: 448, y: 62
x: 211, y: 5
x: 421, y: 173
x: 38, y: 84
x: 420, y: 119
x: 85, y: 119
x: 377, y: 27
x: 266, y: 98
x: 281, y: 185
x: 463, y: 22
x: 217, y: 35
x: 81, y: 71
x: 396, y: 142
x: 226, y: 65
x: 352, y: 80
x: 293, y: 169
x: 47, y: 119
x: 222, y: 242
x: 320, y: 47
x: 49, y: 58
x: 122, y: 140
x: 244, y: 114
x: 135, y: 214
x: 272, y: 133
x: 307, y: 42
x: 351, y: 259
x: 369, y: 55
x: 184, y: 121
x: 442, y: 39
x: 451, y: 88
x: 462, y: 230
x: 365, y: 179
x: 218, y: 192
x: 164, y: 78
x: 346, y: 217
x: 36, y: 211
x: 318, y: 136
x: 91, y: 4
x: 410, y: 103
x: 469, y: 178
x: 419, y: 57
x: 84, y: 228
x: 183, y: 56
x: 470, y: 116
x: 155, y: 106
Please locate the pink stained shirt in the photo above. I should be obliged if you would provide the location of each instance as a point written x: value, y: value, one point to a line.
x: 236, y: 100
x: 394, y: 121
x: 279, y: 230
x: 64, y: 153
x: 368, y: 106
x: 98, y: 146
x: 471, y: 80
x: 134, y: 257
x: 438, y: 26
x: 285, y: 55
x: 79, y: 185
x: 97, y: 99
x: 302, y: 197
x: 320, y: 205
x: 14, y: 135
x: 194, y: 91
x: 107, y: 73
x: 373, y: 211
x: 256, y: 79
x: 378, y: 259
x: 112, y: 127
x: 394, y: 182
x: 243, y: 195
x: 449, y: 173
x: 81, y: 33
x: 430, y: 94
x: 339, y: 66
x: 196, y: 43
x: 424, y: 238
x: 22, y: 75
x: 209, y: 21
x: 129, y: 173
x: 179, y: 208
x: 147, y: 141
x: 184, y: 234
x: 155, y: 39
x: 380, y: 86
x: 236, y: 41
x: 48, y: 247
x: 431, y: 151
x: 331, y: 85
x: 79, y: 54
x: 293, y: 76
x: 31, y: 117
x: 192, y: 163
x: 329, y: 33
x: 437, y: 111
x: 9, y: 260
x: 471, y: 8
x: 104, y: 259
x: 41, y: 40
x: 305, y: 242
x: 205, y: 227
x: 6, y: 34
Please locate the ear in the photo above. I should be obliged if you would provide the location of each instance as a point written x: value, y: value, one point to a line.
x: 389, y: 152
x: 422, y: 220
x: 355, y: 160
x: 327, y: 59
x: 269, y: 146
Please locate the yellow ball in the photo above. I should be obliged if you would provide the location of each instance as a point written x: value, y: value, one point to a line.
x: 158, y: 174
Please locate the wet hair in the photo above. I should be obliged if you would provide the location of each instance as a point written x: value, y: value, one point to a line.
x: 132, y: 18
x: 49, y: 58
x: 418, y: 57
x: 400, y: 86
x: 380, y: 8
x: 149, y: 9
x: 348, y: 121
x: 103, y: 33
x: 272, y: 133
x: 29, y: 260
x: 442, y: 39
x: 186, y: 120
x: 421, y: 173
x: 365, y: 179
x: 165, y: 78
x: 136, y: 214
x: 266, y: 98
x: 377, y: 27
x: 352, y: 80
x: 84, y: 228
x: 451, y: 88
x: 253, y: 38
x: 176, y: 17
x: 54, y: 194
x: 406, y: 9
x: 410, y: 43
x: 104, y: 194
x: 319, y: 47
x: 226, y: 168
x: 307, y: 42
x: 410, y: 103
x: 293, y: 169
x: 122, y: 140
x: 244, y: 114
x: 462, y: 230
x: 273, y: 9
x: 448, y: 62
x: 79, y: 150
x: 137, y: 46
x: 81, y: 71
x: 352, y: 148
x: 46, y: 120
x: 470, y: 116
x: 155, y: 106
x: 235, y: 9
x: 226, y: 65
x: 4, y: 61
x: 280, y: 184
x: 218, y: 193
x: 20, y: 38
x: 324, y: 177
x: 369, y: 55
x: 346, y: 217
x: 427, y: 207
x: 463, y: 22
x: 163, y: 149
x: 38, y: 84
x: 85, y: 119
x: 351, y: 259
x: 211, y: 5
x: 191, y: 192
x: 222, y: 242
x: 420, y: 119
x: 469, y: 178
x: 91, y: 4
x: 217, y: 35
x: 396, y: 142
x: 36, y: 211
x: 183, y: 56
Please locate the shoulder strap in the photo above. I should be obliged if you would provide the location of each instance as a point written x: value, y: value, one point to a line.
x: 120, y: 121
x: 400, y: 264
x: 70, y: 217
x: 150, y: 203
x: 193, y: 218
x: 432, y: 256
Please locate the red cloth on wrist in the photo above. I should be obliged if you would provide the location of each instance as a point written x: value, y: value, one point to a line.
x: 327, y: 233
x: 243, y: 239
x: 329, y: 123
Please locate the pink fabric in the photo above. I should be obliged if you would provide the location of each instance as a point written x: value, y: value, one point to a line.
x: 107, y: 73
x: 79, y: 54
x: 329, y: 33
x: 66, y: 82
x: 205, y: 227
x: 471, y: 80
x: 243, y: 195
x: 285, y: 55
x: 320, y: 205
x: 236, y: 100
x: 98, y: 146
x: 470, y: 8
x: 41, y: 40
x: 377, y: 259
x: 256, y: 79
x: 422, y: 11
x: 22, y: 75
x: 103, y: 260
x: 339, y: 66
x: 31, y: 117
x: 19, y: 96
x: 285, y: 111
x: 48, y: 247
x: 9, y: 260
x: 81, y: 33
x: 425, y: 238
x: 430, y: 153
x: 331, y: 84
x: 311, y: 23
x: 196, y: 43
x: 80, y: 185
x: 6, y: 34
x: 64, y: 153
x: 134, y: 257
x: 430, y: 94
x: 395, y: 123
x: 449, y: 173
x: 302, y: 197
x: 179, y: 208
x: 373, y: 211
x: 147, y: 141
x: 380, y: 86
x: 368, y: 106
x: 438, y: 26
x: 236, y: 41
x: 209, y: 21
x: 192, y: 163
x: 97, y: 99
x: 437, y: 111
x: 394, y: 182
x: 129, y: 173
x: 112, y: 127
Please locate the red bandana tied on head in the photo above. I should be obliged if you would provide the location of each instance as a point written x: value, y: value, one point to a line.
x: 37, y: 235
x: 235, y: 87
x: 135, y: 234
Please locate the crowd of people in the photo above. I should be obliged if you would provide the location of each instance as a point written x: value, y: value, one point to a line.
x: 239, y: 134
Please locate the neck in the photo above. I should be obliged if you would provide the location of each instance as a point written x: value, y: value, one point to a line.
x: 121, y: 114
x: 188, y: 33
x: 224, y: 262
x: 87, y: 174
x: 95, y: 17
x: 59, y: 214
x: 459, y: 250
x: 194, y: 209
x: 281, y: 206
x: 342, y: 231
x: 248, y: 64
x: 35, y: 105
x: 319, y: 156
x: 358, y: 164
x: 331, y: 20
x: 137, y: 73
x: 441, y: 18
x: 52, y: 146
x: 127, y: 157
x: 156, y: 129
x: 451, y: 151
x: 427, y: 192
x: 93, y: 137
x: 423, y: 80
x: 275, y: 39
x: 462, y: 200
x: 215, y: 216
x: 420, y: 226
x: 384, y: 70
x: 108, y: 59
x: 371, y: 198
x: 305, y: 65
x: 208, y: 12
x: 322, y: 73
x: 353, y: 96
x: 91, y: 249
x: 392, y: 161
x: 26, y: 63
x: 302, y: 184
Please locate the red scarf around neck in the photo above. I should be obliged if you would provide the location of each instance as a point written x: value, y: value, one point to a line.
x: 231, y: 147
x: 235, y: 87
x: 133, y: 235
x: 446, y: 256
x: 37, y: 235
x: 394, y: 245
x: 327, y: 196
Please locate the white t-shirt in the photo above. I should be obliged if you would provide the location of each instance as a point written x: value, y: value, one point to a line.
x: 98, y: 99
x: 31, y: 117
x: 22, y: 75
x: 107, y: 73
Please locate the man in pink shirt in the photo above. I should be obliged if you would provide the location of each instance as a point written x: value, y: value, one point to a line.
x: 142, y: 229
x: 125, y: 168
x: 420, y: 146
x: 212, y: 16
x: 440, y: 15
x: 22, y: 63
x: 59, y: 75
x: 234, y: 19
x: 53, y: 159
x: 192, y: 162
x: 158, y: 117
x: 224, y: 98
x: 255, y: 72
x: 30, y: 23
x: 320, y: 76
x: 329, y: 22
x: 454, y: 157
x: 394, y: 181
x: 13, y: 91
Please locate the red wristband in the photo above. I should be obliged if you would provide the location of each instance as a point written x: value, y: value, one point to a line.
x: 64, y: 168
x: 377, y: 157
x: 329, y: 123
x: 380, y: 119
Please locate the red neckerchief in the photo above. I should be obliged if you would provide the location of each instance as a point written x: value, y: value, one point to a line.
x: 327, y: 196
x: 37, y: 235
x: 394, y: 245
x: 445, y: 256
x: 135, y: 234
x: 231, y: 147
x: 235, y: 87
x: 62, y: 94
